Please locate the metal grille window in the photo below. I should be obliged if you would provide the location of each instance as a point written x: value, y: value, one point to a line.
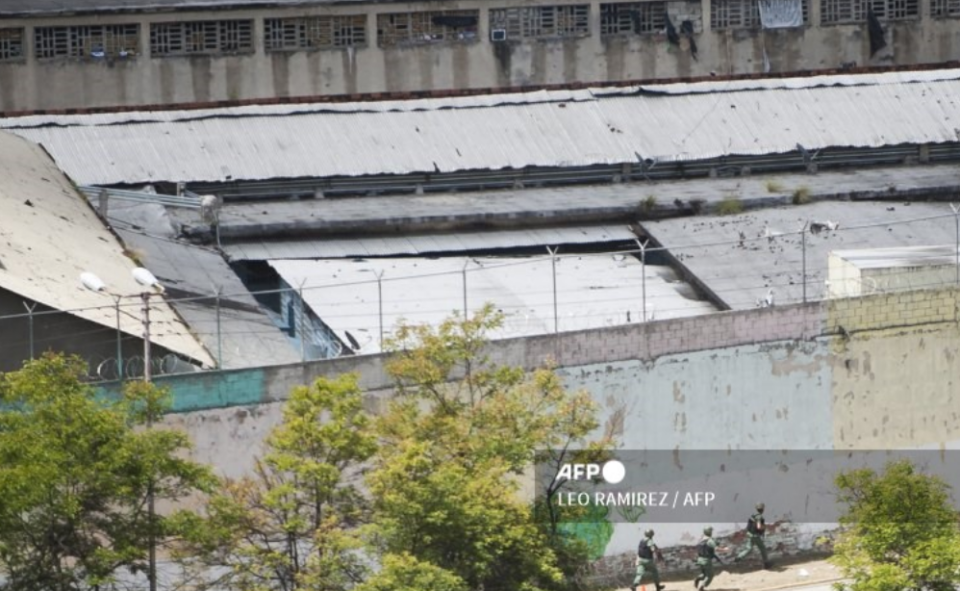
x: 315, y: 32
x: 540, y: 21
x: 632, y: 17
x: 11, y: 44
x: 742, y: 14
x: 855, y: 11
x: 93, y: 41
x: 201, y: 37
x: 415, y: 28
x: 734, y: 14
x: 944, y: 8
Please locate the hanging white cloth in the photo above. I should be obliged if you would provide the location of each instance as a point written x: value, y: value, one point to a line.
x: 781, y: 14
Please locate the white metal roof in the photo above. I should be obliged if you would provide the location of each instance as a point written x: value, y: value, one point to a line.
x: 593, y: 291
x: 547, y: 128
x: 414, y: 244
x: 900, y: 256
x: 772, y: 253
x: 49, y: 235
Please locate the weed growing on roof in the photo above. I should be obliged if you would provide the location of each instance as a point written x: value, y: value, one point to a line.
x: 730, y: 205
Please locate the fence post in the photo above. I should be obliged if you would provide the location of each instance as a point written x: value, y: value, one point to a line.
x: 30, y: 310
x: 553, y: 264
x: 643, y: 275
x: 219, y: 332
x: 803, y: 258
x: 465, y: 264
x: 116, y: 301
x: 303, y: 336
x: 380, y: 304
x: 956, y: 220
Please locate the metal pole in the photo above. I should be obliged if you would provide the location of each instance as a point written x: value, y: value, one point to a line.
x: 30, y: 310
x: 956, y: 220
x: 219, y: 334
x: 803, y: 258
x: 465, y: 264
x: 380, y: 304
x: 303, y: 343
x: 643, y: 276
x: 151, y: 510
x: 116, y: 301
x: 556, y: 315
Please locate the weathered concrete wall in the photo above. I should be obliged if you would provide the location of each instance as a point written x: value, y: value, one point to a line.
x: 32, y: 84
x: 866, y: 373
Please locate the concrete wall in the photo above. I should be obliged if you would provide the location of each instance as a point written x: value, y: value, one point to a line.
x: 862, y: 373
x: 32, y: 84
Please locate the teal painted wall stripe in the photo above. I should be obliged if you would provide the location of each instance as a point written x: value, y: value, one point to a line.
x: 206, y: 390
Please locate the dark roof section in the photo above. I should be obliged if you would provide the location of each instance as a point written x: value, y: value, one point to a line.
x: 10, y: 8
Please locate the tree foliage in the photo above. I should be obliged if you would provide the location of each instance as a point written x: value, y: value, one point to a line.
x: 900, y: 530
x: 453, y: 445
x: 75, y: 472
x: 403, y: 572
x: 291, y: 525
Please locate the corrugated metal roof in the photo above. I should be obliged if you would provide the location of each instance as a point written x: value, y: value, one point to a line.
x: 446, y: 135
x: 238, y: 331
x: 52, y: 7
x: 593, y: 291
x: 414, y: 244
x: 770, y: 254
x: 51, y: 236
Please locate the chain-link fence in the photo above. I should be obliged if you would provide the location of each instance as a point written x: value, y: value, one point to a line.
x: 331, y: 307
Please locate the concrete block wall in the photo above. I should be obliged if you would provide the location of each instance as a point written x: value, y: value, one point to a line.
x: 892, y: 310
x: 31, y: 84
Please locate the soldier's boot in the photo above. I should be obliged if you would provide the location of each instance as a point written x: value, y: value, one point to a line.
x: 767, y: 565
x: 661, y: 587
x: 696, y: 582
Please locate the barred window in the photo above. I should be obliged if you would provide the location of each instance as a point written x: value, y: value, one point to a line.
x: 90, y: 41
x: 11, y: 44
x: 201, y: 38
x: 315, y: 32
x: 944, y: 8
x: 734, y: 14
x: 632, y: 17
x: 742, y: 14
x: 855, y: 11
x: 540, y: 21
x: 415, y: 28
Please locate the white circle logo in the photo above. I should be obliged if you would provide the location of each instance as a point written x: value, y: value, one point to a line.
x: 613, y: 471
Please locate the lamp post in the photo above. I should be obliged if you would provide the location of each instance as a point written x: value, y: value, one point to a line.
x: 145, y: 278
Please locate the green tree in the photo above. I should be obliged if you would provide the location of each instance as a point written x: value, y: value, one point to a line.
x: 900, y: 530
x: 292, y: 524
x: 454, y: 443
x: 75, y: 471
x: 403, y: 572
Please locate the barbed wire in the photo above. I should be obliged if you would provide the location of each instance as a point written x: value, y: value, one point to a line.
x: 574, y: 310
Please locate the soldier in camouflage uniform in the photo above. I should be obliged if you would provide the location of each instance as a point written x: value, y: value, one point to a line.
x: 706, y: 554
x: 756, y: 527
x: 647, y: 555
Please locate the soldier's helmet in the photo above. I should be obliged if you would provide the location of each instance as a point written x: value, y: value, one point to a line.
x: 760, y: 507
x: 708, y: 531
x: 648, y: 533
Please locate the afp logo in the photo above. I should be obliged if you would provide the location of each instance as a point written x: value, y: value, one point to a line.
x: 612, y: 472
